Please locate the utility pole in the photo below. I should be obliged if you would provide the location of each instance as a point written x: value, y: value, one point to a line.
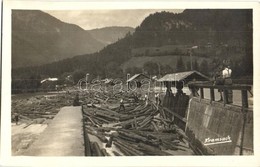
x: 127, y: 77
x: 159, y: 70
x: 87, y: 81
x: 191, y: 59
x: 193, y: 47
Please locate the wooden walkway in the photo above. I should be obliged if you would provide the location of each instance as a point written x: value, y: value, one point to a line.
x: 63, y: 137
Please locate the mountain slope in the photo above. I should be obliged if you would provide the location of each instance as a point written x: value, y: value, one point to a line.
x: 195, y: 27
x: 218, y: 34
x: 38, y: 38
x: 109, y: 35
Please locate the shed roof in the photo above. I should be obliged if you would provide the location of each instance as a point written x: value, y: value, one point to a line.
x: 181, y: 76
x: 136, y: 76
x: 49, y: 79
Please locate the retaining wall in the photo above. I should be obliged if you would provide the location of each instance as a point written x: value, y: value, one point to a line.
x: 223, y: 123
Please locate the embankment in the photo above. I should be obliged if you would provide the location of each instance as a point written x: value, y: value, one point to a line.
x: 215, y: 128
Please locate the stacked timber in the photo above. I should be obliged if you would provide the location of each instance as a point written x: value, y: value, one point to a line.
x: 43, y: 107
x: 142, y: 129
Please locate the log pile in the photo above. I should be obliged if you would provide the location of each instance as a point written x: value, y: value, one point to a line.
x: 40, y: 107
x: 45, y: 107
x: 142, y: 129
x: 106, y: 97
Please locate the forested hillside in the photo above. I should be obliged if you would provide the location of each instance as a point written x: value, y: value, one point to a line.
x: 39, y: 38
x: 210, y: 36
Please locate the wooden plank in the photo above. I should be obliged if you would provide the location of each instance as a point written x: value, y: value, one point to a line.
x: 175, y: 114
x: 152, y: 150
x: 228, y: 87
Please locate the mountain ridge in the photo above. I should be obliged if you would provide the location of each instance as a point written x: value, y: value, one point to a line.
x: 215, y: 39
x: 39, y: 38
x: 108, y: 35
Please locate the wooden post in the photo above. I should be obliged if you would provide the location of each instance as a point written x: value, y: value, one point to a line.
x: 244, y: 98
x: 243, y: 131
x: 225, y: 96
x: 212, y: 95
x: 192, y: 91
x: 201, y: 93
x: 244, y: 112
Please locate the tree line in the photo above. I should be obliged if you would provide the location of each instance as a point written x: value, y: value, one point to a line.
x: 156, y: 30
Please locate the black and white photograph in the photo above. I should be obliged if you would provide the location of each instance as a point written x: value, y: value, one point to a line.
x: 138, y: 82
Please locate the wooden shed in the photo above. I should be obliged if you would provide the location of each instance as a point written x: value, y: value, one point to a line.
x: 137, y: 79
x: 184, y: 77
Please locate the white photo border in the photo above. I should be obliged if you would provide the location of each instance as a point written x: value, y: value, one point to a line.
x: 8, y: 160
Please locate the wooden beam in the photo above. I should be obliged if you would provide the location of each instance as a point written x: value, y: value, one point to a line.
x: 244, y: 99
x: 228, y: 87
x: 175, y: 114
x: 212, y: 95
x: 201, y: 93
x: 225, y: 96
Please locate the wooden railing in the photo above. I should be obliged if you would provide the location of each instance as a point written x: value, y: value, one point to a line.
x: 224, y: 88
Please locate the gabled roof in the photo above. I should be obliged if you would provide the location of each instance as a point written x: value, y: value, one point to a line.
x: 49, y: 79
x: 180, y: 76
x: 136, y: 76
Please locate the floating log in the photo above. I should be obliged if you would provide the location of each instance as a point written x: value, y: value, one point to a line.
x: 155, y: 126
x: 130, y: 147
x: 92, y: 121
x: 124, y: 123
x: 102, y: 138
x: 116, y: 153
x: 98, y: 135
x: 171, y: 146
x: 29, y: 124
x: 101, y: 119
x: 111, y: 112
x: 125, y: 149
x: 97, y: 149
x: 145, y: 121
x: 157, y: 130
x: 132, y: 135
x: 152, y: 150
x: 24, y: 117
x: 127, y: 138
x: 107, y: 116
x: 104, y: 152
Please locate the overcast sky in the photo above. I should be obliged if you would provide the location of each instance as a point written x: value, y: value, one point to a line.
x: 91, y: 19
